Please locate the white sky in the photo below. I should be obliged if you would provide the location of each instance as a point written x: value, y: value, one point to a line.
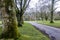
x: 33, y: 3
x: 58, y: 5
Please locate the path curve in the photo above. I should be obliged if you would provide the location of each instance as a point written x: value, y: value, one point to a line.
x: 54, y: 33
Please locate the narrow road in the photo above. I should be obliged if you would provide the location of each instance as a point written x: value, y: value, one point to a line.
x: 54, y: 33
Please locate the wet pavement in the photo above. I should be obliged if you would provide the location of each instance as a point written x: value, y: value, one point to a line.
x: 53, y: 33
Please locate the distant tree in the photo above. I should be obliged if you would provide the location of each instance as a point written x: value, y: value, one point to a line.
x: 46, y: 17
x: 52, y: 6
x: 52, y: 9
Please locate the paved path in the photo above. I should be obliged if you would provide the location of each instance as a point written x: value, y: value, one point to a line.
x: 54, y: 33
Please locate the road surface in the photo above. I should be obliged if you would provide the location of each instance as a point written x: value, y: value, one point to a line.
x: 53, y: 33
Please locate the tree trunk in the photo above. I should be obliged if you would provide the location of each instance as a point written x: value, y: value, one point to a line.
x: 51, y: 21
x: 9, y: 20
x: 42, y: 16
x: 46, y: 17
x: 20, y: 20
x: 20, y: 17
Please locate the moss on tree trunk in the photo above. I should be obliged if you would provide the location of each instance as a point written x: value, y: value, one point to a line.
x: 10, y: 29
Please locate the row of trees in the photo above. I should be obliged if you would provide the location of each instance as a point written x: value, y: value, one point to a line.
x: 45, y: 9
x: 50, y: 8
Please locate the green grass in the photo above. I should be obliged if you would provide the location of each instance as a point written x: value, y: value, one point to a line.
x: 28, y: 32
x: 55, y: 24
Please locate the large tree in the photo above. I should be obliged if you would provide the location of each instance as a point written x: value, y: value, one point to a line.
x: 23, y: 6
x: 9, y: 19
x: 52, y: 9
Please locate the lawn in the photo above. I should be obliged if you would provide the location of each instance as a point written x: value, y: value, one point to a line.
x: 28, y: 32
x: 55, y: 24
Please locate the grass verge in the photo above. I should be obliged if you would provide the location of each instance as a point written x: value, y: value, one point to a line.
x: 55, y: 24
x: 30, y: 33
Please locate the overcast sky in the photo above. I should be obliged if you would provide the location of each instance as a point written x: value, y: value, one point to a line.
x: 33, y: 3
x: 58, y: 5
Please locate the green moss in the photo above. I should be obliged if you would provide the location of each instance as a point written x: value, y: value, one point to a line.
x: 10, y: 26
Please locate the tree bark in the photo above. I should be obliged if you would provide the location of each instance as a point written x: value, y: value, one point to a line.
x: 10, y: 29
x: 20, y: 20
